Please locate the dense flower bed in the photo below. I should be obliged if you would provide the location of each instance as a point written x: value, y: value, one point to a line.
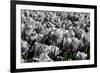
x: 54, y: 36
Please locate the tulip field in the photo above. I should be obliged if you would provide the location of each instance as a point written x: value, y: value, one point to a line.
x: 48, y: 36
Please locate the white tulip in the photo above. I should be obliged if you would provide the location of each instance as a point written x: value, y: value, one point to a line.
x: 44, y: 58
x: 81, y: 55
